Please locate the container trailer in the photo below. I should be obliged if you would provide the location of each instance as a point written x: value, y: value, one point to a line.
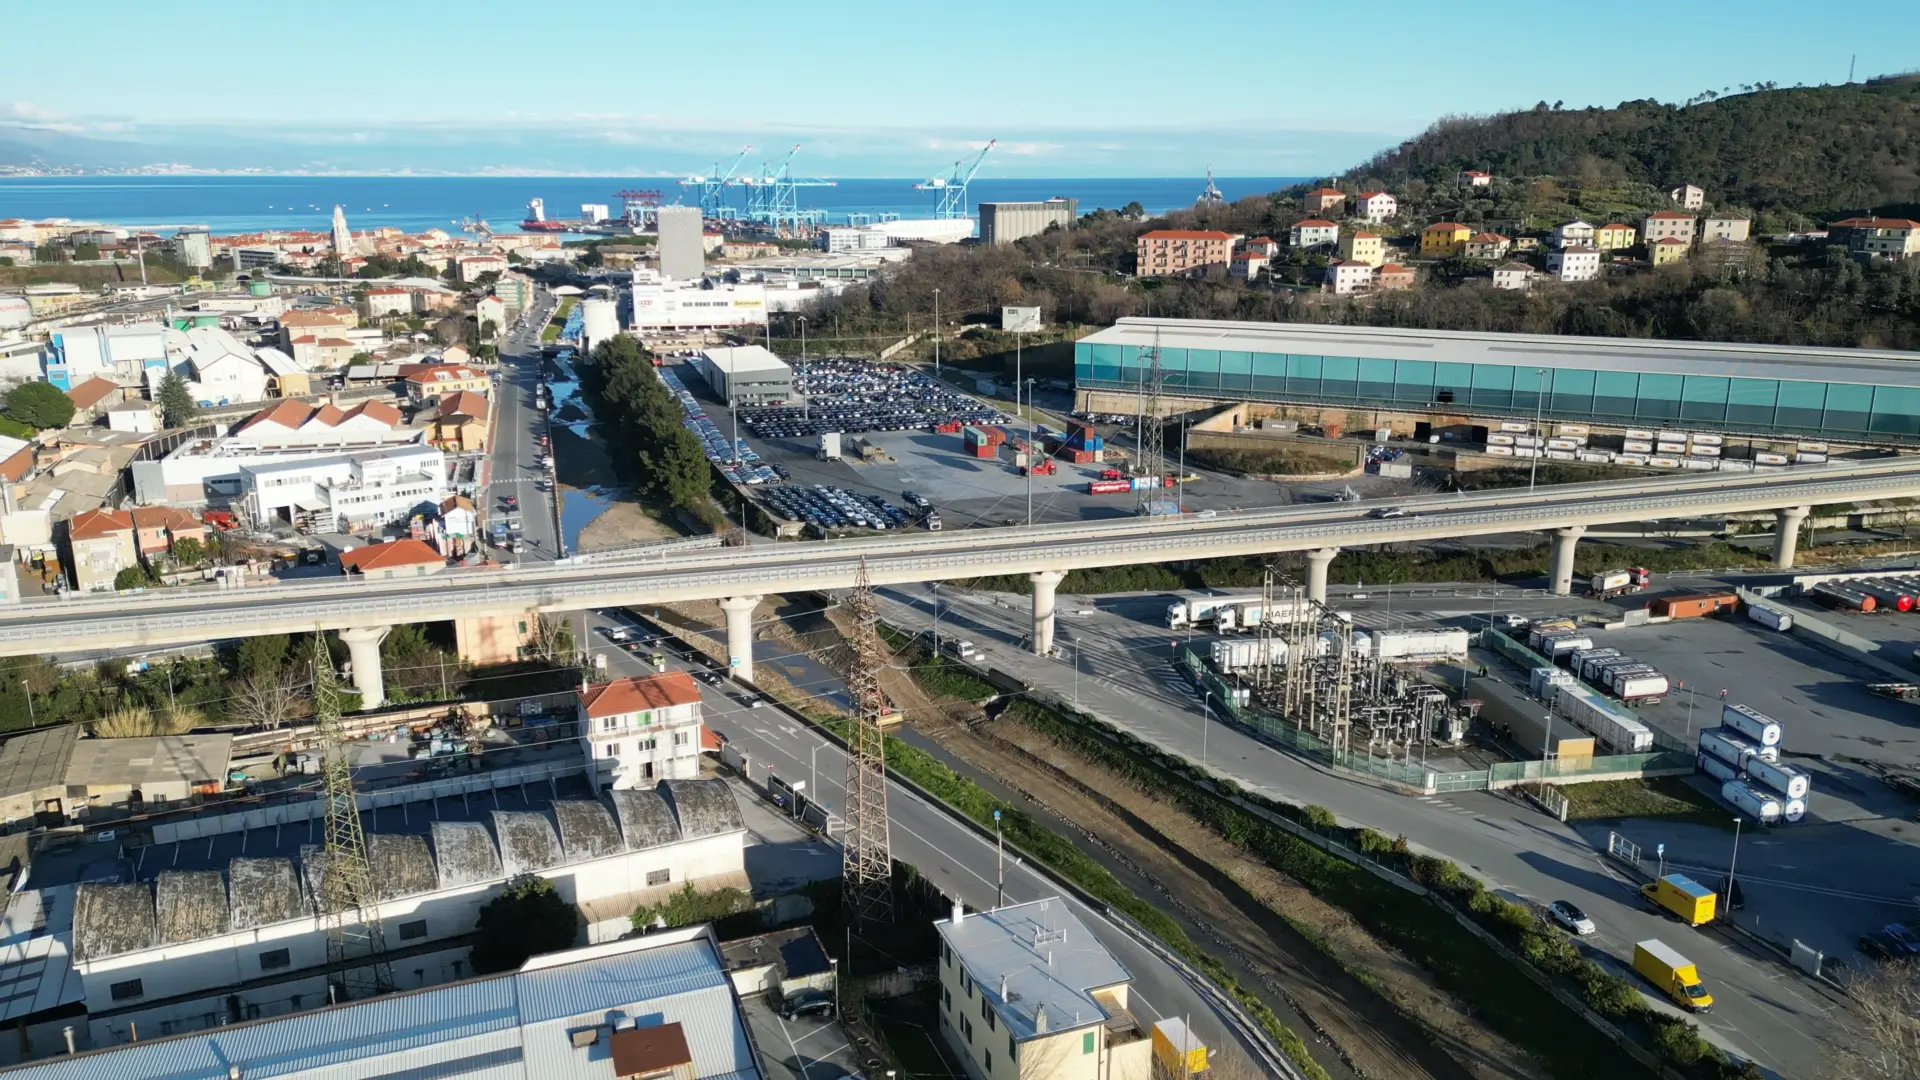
x: 1693, y: 605
x: 1232, y: 656
x: 1756, y: 802
x: 1543, y: 681
x: 1770, y: 617
x: 1201, y: 610
x: 1784, y: 780
x: 1418, y: 644
x: 1839, y: 596
x: 1640, y: 688
x: 1752, y: 723
x: 1611, y: 583
x: 1108, y: 487
x: 1592, y: 714
x: 1734, y: 748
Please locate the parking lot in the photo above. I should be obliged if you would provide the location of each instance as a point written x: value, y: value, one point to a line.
x: 855, y: 397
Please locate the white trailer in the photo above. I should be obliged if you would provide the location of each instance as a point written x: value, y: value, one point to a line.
x: 1544, y: 681
x: 1418, y: 644
x: 1752, y: 723
x: 1788, y: 781
x: 826, y: 446
x: 1592, y: 714
x: 1718, y: 769
x: 1641, y: 688
x: 1732, y: 747
x: 1242, y: 655
x: 1200, y: 610
x: 1771, y: 617
x: 1757, y: 803
x: 1554, y: 645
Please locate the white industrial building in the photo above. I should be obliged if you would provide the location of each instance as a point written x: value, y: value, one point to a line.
x: 227, y: 928
x: 204, y: 471
x: 672, y: 306
x: 343, y: 492
x: 119, y: 354
x: 747, y: 373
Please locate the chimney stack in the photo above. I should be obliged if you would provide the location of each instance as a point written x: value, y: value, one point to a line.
x: 1040, y: 1020
x: 1003, y: 987
x: 68, y: 1032
x: 959, y: 911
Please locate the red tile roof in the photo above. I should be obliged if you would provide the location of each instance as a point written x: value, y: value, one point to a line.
x: 439, y: 373
x: 1328, y: 191
x: 1473, y: 172
x: 289, y: 413
x: 1185, y: 234
x: 1364, y: 236
x: 629, y: 695
x: 1486, y: 238
x: 1671, y: 240
x: 1314, y: 223
x: 1444, y: 226
x: 392, y: 553
x: 464, y: 403
x: 1394, y: 268
x: 1613, y: 225
x: 92, y: 392
x: 93, y: 524
x: 1875, y: 223
x: 1375, y: 194
x: 154, y: 517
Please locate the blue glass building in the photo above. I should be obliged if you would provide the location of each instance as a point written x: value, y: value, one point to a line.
x: 1843, y: 395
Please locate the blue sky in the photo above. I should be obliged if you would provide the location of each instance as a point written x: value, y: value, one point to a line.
x: 1095, y: 88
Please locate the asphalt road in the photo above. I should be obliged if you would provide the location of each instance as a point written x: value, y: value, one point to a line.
x: 513, y: 454
x: 944, y: 851
x: 1118, y: 645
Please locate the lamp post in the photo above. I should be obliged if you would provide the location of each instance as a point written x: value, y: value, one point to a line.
x: 1539, y: 402
x: 936, y: 333
x: 1000, y: 863
x: 803, y: 341
x: 936, y: 619
x: 1731, y: 863
x: 813, y: 765
x: 1030, y: 453
x: 32, y: 721
x: 1206, y: 721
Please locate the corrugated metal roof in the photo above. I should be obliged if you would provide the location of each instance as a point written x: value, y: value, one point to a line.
x: 1880, y: 367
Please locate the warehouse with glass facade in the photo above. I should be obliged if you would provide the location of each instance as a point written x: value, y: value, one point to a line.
x: 1844, y: 395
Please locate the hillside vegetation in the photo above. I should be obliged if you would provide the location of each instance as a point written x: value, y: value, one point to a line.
x: 1822, y: 150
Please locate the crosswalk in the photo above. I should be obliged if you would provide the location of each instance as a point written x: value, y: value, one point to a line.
x: 1442, y: 804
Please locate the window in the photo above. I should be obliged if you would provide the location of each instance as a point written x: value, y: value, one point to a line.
x: 413, y: 931
x: 613, y: 749
x: 966, y: 1028
x: 966, y: 983
x: 659, y: 877
x: 1086, y: 1043
x: 987, y: 1055
x: 680, y: 738
x: 1010, y: 1047
x: 275, y: 959
x: 609, y: 723
x: 946, y: 997
x: 946, y: 954
x: 126, y: 991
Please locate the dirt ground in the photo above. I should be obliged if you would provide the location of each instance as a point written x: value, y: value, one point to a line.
x: 1313, y: 955
x: 623, y: 523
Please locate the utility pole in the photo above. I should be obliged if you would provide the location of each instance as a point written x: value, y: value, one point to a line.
x: 1539, y: 401
x: 999, y: 863
x: 357, y: 965
x: 867, y: 853
x: 1030, y: 453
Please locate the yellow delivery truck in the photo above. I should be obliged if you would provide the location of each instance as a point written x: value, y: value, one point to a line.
x: 1659, y: 964
x: 1691, y: 901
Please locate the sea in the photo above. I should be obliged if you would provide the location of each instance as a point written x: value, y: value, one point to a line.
x: 252, y: 203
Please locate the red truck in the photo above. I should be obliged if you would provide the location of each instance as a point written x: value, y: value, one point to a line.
x: 1108, y: 487
x: 1112, y: 474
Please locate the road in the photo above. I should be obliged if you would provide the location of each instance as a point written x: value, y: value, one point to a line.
x: 959, y: 861
x: 513, y: 452
x: 1119, y: 671
x: 178, y: 615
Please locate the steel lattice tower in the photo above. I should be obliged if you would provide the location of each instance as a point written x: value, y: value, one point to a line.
x: 1154, y: 499
x: 867, y: 850
x: 356, y: 945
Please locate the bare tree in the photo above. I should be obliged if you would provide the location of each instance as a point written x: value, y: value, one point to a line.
x: 267, y: 699
x: 552, y: 640
x: 1879, y: 1035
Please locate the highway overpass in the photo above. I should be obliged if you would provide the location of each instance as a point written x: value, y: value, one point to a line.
x: 738, y: 577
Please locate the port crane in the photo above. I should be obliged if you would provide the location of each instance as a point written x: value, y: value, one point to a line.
x: 637, y: 205
x: 773, y: 197
x: 713, y: 186
x: 953, y: 186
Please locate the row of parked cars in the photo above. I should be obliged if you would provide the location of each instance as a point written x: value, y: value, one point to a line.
x: 859, y: 396
x: 836, y: 508
x: 740, y: 463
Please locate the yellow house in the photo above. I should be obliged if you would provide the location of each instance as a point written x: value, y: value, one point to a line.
x: 1444, y: 238
x: 1666, y: 250
x: 1363, y: 247
x: 1028, y: 993
x: 1614, y: 237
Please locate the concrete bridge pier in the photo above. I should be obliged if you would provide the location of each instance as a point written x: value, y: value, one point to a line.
x: 1786, y: 534
x: 739, y: 611
x: 1044, y: 584
x: 1565, y: 541
x: 1317, y: 562
x: 363, y: 645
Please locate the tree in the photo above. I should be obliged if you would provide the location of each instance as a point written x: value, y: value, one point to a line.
x: 177, y: 407
x: 527, y: 918
x: 131, y: 577
x: 487, y: 280
x: 40, y: 405
x: 1879, y: 1037
x: 86, y: 252
x: 553, y: 639
x: 257, y: 657
x: 188, y: 552
x: 267, y: 700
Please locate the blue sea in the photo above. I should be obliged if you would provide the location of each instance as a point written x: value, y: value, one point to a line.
x: 233, y: 204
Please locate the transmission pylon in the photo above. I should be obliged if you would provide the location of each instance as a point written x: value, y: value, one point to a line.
x: 1156, y: 496
x: 356, y: 946
x: 866, y: 847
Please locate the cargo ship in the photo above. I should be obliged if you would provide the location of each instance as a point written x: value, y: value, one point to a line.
x: 537, y: 218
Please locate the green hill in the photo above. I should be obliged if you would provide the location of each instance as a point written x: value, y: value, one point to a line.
x: 1817, y: 150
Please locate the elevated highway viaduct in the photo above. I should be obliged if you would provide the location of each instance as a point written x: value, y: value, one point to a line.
x: 362, y: 609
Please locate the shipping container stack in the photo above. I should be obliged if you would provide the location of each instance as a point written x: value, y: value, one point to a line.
x: 1743, y: 754
x: 1082, y: 446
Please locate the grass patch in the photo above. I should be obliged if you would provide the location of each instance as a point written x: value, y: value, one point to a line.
x: 1660, y: 796
x: 1274, y: 462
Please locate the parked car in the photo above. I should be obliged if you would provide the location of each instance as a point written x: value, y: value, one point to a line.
x: 1390, y: 512
x: 809, y: 1003
x: 1570, y: 917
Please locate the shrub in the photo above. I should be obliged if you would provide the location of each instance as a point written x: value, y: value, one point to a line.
x: 1319, y: 817
x: 1373, y: 843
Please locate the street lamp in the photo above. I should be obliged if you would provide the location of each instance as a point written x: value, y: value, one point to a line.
x: 1539, y: 402
x: 32, y: 721
x: 813, y: 766
x: 936, y: 619
x: 803, y: 341
x: 1000, y: 863
x: 936, y: 333
x: 1030, y: 453
x: 1731, y: 863
x: 1206, y: 721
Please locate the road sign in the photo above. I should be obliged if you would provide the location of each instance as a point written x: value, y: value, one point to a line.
x: 733, y: 661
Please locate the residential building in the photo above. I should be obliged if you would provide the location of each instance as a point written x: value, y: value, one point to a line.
x: 1475, y: 178
x: 387, y: 301
x: 1614, y: 236
x: 470, y: 268
x: 1878, y: 237
x: 1313, y: 233
x: 433, y: 380
x: 1346, y: 278
x: 1688, y: 196
x: 1392, y: 277
x: 459, y: 522
x: 1005, y: 222
x: 1182, y: 252
x: 1363, y: 247
x: 344, y: 492
x: 1375, y: 206
x: 157, y: 528
x: 683, y: 255
x: 1667, y: 250
x: 312, y: 352
x: 638, y: 731
x: 1028, y: 993
x: 195, y: 247
x: 1264, y: 246
x: 219, y: 369
x: 1247, y: 266
x: 100, y: 544
x: 393, y: 559
x: 1574, y: 233
x: 1487, y: 246
x: 134, y: 417
x: 1729, y: 227
x: 460, y: 422
x: 1574, y: 263
x: 1667, y: 223
x: 1526, y: 243
x: 490, y: 312
x: 1320, y: 200
x: 1513, y: 275
x: 1444, y: 238
x: 839, y: 241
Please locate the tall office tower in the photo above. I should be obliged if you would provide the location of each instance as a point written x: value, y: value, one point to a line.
x: 683, y: 255
x: 342, y: 239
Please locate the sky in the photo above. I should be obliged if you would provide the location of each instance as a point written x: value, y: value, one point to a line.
x: 1070, y: 89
